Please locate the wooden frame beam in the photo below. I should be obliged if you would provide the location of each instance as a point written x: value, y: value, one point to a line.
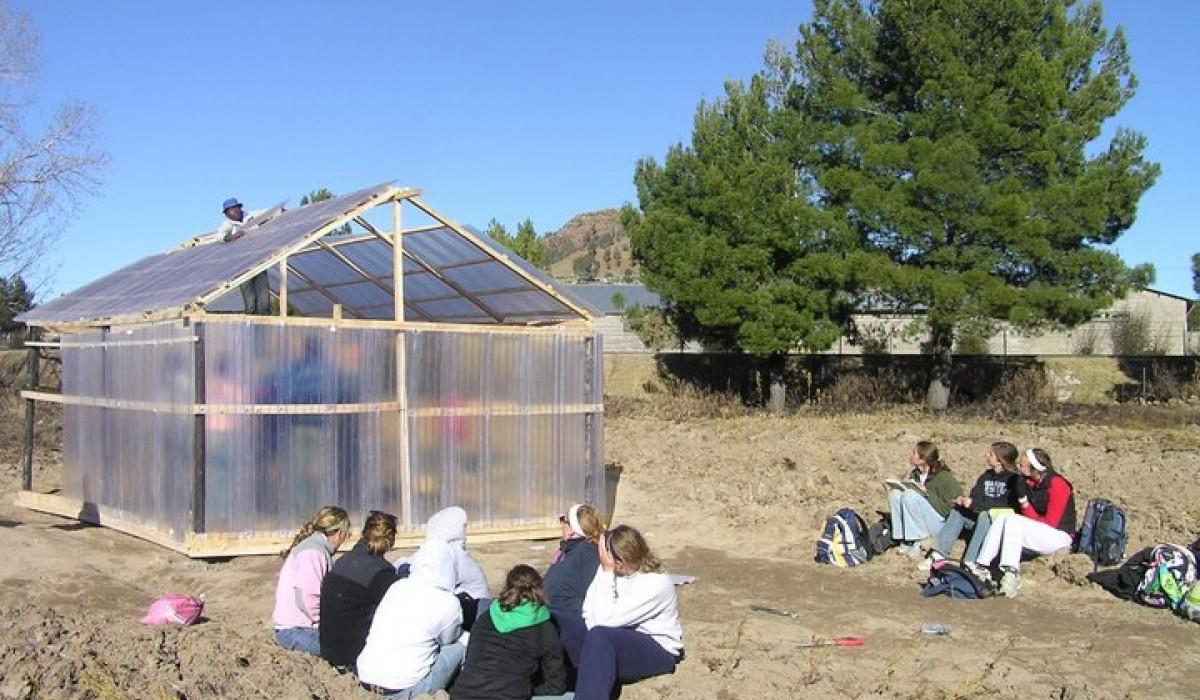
x: 573, y: 328
x: 430, y: 211
x: 373, y: 201
x: 224, y: 544
x: 444, y: 280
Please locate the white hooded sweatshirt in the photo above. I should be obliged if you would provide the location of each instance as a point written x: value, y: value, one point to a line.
x: 641, y: 601
x: 450, y: 526
x: 417, y: 616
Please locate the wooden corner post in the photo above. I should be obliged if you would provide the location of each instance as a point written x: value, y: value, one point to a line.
x: 31, y: 383
x: 199, y: 485
x: 406, y: 500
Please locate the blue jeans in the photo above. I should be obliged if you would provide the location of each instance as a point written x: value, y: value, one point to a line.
x: 305, y: 639
x: 445, y: 667
x: 955, y: 524
x: 618, y: 653
x: 913, y: 518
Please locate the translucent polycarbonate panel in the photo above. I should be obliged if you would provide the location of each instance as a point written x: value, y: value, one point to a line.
x: 372, y: 255
x: 449, y: 309
x: 502, y: 424
x: 444, y: 246
x: 310, y: 303
x: 487, y: 277
x: 425, y: 286
x: 363, y: 294
x: 270, y: 472
x: 322, y: 268
x: 170, y: 280
x: 523, y: 304
x: 133, y: 461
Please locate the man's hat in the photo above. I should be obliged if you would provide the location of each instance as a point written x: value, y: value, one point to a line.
x: 231, y: 202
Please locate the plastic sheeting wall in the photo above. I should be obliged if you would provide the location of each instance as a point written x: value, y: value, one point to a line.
x: 135, y: 460
x: 512, y: 441
x: 495, y: 424
x: 271, y: 472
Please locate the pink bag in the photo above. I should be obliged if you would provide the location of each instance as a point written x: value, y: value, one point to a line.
x: 174, y: 609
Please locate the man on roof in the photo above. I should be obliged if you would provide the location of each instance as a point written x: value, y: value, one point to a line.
x: 256, y: 294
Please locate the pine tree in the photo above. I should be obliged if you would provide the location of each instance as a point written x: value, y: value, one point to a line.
x: 951, y: 136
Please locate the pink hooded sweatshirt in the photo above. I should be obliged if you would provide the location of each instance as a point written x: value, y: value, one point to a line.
x: 298, y: 593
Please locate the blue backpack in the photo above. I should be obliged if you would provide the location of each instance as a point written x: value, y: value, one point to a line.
x: 843, y: 542
x: 1102, y: 536
x: 956, y: 582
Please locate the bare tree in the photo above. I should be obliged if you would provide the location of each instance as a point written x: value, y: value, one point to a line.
x: 45, y: 168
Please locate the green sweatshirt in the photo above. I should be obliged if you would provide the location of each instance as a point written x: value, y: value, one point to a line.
x: 524, y: 615
x: 940, y: 490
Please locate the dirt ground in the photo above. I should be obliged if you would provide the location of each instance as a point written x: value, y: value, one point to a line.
x: 736, y: 502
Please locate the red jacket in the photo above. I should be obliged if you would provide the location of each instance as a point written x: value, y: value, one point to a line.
x: 1055, y: 497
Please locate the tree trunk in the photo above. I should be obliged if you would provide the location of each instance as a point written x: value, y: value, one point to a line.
x: 776, y: 367
x: 941, y: 341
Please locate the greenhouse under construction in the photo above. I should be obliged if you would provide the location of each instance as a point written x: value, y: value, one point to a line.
x: 192, y: 423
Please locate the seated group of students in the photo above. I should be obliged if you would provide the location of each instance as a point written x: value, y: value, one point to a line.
x: 605, y: 611
x: 1019, y: 504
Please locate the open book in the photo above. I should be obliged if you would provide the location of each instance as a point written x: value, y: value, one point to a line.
x: 901, y: 485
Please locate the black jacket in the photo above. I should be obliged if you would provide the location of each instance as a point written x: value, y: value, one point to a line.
x: 567, y: 581
x: 1039, y: 498
x: 350, y: 592
x: 511, y: 666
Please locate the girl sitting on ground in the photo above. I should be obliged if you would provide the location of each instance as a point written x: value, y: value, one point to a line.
x: 632, y: 618
x: 1045, y: 523
x: 993, y: 490
x: 414, y: 644
x: 470, y: 584
x: 574, y: 567
x: 512, y: 644
x: 298, y: 593
x: 352, y: 590
x: 919, y: 509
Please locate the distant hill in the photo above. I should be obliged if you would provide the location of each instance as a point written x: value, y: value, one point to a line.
x: 591, y: 246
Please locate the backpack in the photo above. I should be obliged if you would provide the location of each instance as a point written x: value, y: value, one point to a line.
x: 1170, y: 575
x: 843, y: 541
x: 879, y: 537
x: 1102, y: 536
x: 174, y: 609
x: 956, y: 582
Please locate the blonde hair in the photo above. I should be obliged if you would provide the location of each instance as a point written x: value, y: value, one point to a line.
x: 379, y: 532
x: 327, y: 520
x: 630, y: 548
x: 592, y: 522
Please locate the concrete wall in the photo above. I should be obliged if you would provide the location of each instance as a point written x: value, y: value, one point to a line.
x: 902, y: 334
x: 1071, y: 379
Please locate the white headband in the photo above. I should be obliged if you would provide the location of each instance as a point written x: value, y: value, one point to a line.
x: 573, y: 519
x: 1033, y: 460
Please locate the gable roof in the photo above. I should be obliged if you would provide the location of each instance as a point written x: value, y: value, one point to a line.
x: 452, y: 274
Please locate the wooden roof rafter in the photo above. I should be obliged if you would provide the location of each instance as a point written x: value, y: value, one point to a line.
x: 442, y: 278
x: 500, y: 257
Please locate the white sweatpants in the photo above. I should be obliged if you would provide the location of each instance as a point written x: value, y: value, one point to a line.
x: 1012, y: 533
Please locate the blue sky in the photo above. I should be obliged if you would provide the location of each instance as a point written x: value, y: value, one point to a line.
x: 505, y: 110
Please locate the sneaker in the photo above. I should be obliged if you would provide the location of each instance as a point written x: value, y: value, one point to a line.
x: 928, y: 563
x: 1010, y: 583
x: 980, y: 572
x: 912, y: 549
